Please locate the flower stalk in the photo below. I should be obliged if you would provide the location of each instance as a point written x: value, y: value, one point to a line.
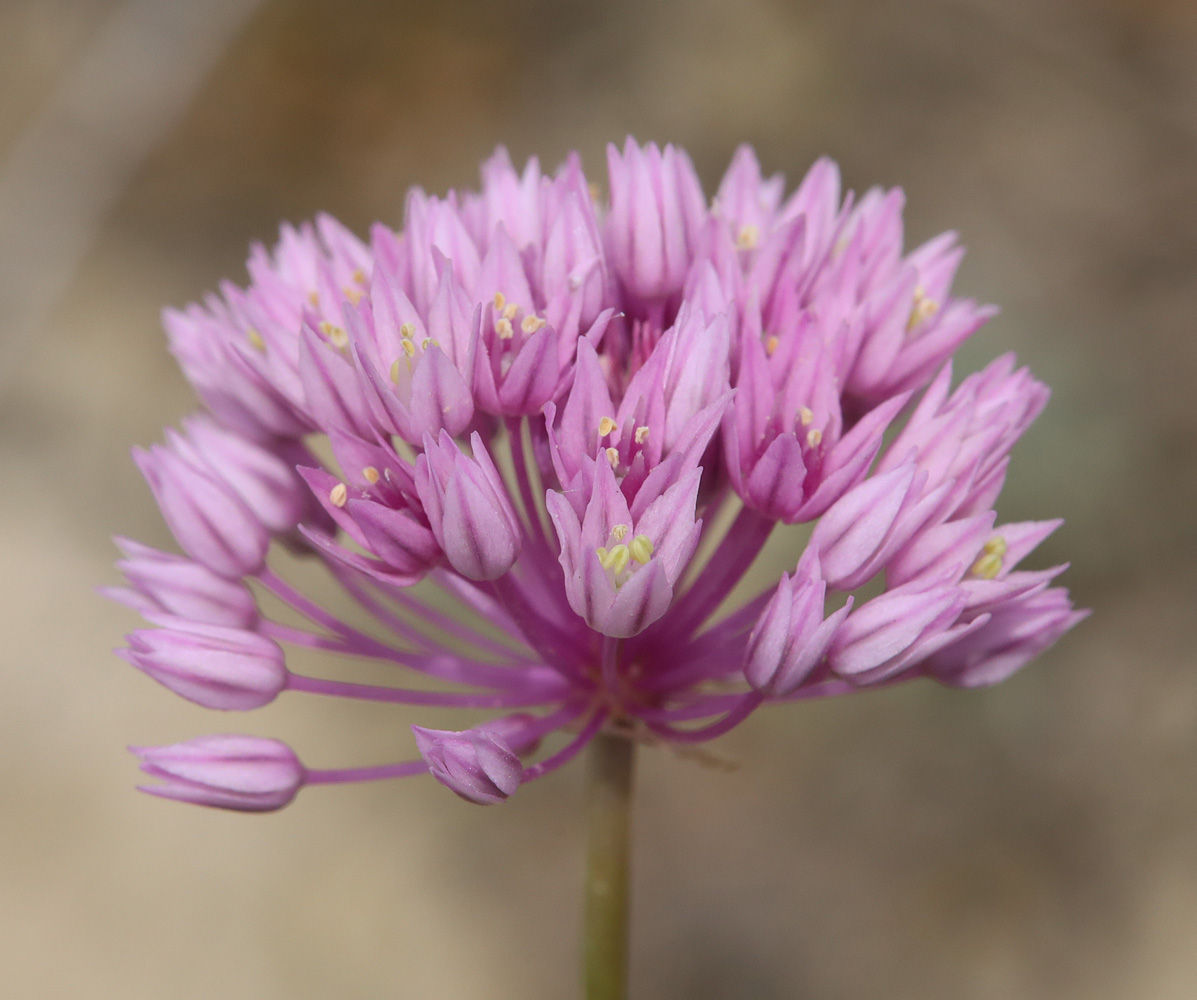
x: 608, y: 855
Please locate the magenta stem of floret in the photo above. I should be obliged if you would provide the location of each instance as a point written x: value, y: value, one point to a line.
x: 564, y: 649
x: 348, y: 775
x: 745, y: 706
x: 519, y: 460
x: 526, y: 695
x: 360, y: 592
x: 727, y: 565
x: 481, y: 603
x: 443, y: 665
x: 570, y: 750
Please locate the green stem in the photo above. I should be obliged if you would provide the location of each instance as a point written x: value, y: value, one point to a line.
x: 608, y: 820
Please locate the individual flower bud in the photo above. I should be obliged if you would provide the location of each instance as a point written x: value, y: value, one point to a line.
x: 620, y: 571
x: 657, y: 211
x: 208, y: 345
x: 1014, y: 635
x: 791, y: 636
x: 176, y: 585
x: 269, y: 485
x: 246, y: 773
x: 212, y: 665
x: 869, y: 523
x: 746, y: 201
x: 212, y: 524
x: 895, y: 629
x: 476, y: 764
x: 468, y: 508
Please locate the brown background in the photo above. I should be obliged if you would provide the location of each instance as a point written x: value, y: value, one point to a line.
x: 1035, y: 840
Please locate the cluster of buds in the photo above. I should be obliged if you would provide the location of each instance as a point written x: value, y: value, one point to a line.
x: 578, y: 423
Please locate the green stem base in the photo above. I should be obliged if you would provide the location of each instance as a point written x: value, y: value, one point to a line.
x: 608, y: 822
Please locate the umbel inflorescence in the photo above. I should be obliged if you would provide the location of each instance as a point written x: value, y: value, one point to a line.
x: 578, y: 420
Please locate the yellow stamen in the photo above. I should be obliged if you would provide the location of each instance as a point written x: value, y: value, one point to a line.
x: 620, y: 532
x: 532, y: 323
x: 371, y: 474
x: 510, y: 310
x: 616, y: 559
x: 426, y: 343
x: 596, y: 192
x: 255, y: 340
x: 771, y: 345
x: 747, y: 237
x: 996, y: 546
x: 641, y: 434
x: 407, y: 331
x: 606, y: 426
x: 613, y: 457
x: 641, y: 549
x: 806, y: 415
x: 314, y: 298
x: 987, y: 567
x: 335, y: 334
x: 500, y: 301
x: 503, y: 329
x: 396, y: 371
x: 923, y: 308
x: 354, y: 295
x: 601, y: 552
x: 359, y: 276
x: 408, y: 348
x: 814, y: 437
x: 339, y: 494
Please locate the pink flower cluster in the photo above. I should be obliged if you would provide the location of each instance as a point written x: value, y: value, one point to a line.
x: 575, y: 423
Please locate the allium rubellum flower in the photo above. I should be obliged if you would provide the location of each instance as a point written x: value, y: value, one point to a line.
x: 578, y: 423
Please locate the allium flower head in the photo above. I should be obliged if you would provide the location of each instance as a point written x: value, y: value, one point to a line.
x: 577, y: 422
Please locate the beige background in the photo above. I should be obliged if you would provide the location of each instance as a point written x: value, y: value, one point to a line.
x: 1036, y: 840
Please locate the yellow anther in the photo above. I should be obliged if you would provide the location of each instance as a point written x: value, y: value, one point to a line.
x: 613, y: 457
x: 359, y: 276
x: 996, y: 546
x: 396, y: 371
x: 641, y: 549
x: 987, y: 567
x: 616, y: 559
x: 314, y: 298
x: 426, y: 343
x: 407, y: 331
x: 371, y: 474
x: 806, y: 415
x: 503, y: 329
x: 596, y: 192
x: 500, y: 301
x: 923, y: 308
x: 620, y: 532
x: 408, y: 348
x: 771, y: 345
x: 336, y: 334
x: 606, y: 426
x: 641, y: 434
x: 814, y: 437
x: 354, y: 295
x: 532, y: 323
x: 339, y: 494
x: 601, y: 552
x: 747, y: 237
x: 510, y: 310
x: 255, y: 340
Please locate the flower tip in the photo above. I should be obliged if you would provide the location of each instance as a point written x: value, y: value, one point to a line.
x: 477, y: 765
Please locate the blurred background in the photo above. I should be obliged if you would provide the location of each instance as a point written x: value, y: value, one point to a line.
x: 1034, y: 840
